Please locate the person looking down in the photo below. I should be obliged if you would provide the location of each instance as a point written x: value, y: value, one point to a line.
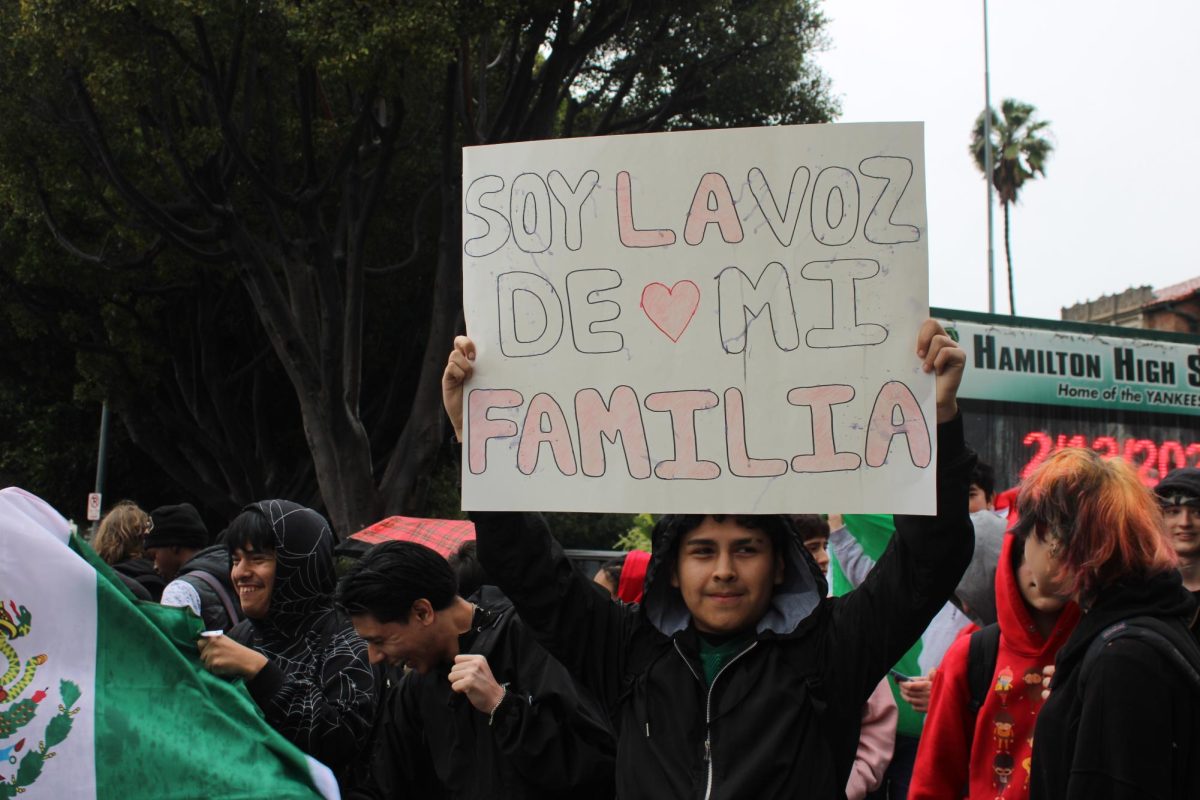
x: 1123, y: 716
x: 961, y: 745
x: 483, y: 711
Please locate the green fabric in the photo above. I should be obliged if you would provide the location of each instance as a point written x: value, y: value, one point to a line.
x: 715, y: 656
x: 164, y: 726
x: 873, y: 532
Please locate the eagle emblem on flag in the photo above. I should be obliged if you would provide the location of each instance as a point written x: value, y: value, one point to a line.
x: 17, y: 712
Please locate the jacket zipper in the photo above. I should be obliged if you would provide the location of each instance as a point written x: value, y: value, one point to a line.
x: 708, y: 709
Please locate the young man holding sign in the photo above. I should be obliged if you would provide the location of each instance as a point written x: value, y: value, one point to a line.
x: 736, y: 676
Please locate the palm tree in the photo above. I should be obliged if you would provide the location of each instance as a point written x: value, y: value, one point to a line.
x: 1019, y: 152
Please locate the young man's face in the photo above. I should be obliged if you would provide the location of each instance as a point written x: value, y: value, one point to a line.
x: 819, y: 547
x: 1183, y: 527
x: 726, y: 574
x: 253, y: 577
x: 167, y: 560
x: 413, y: 644
x: 978, y: 499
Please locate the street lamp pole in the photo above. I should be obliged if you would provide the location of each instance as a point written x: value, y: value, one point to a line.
x: 988, y: 168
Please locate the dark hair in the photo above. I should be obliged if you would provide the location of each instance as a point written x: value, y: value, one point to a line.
x: 612, y: 570
x: 391, y: 577
x: 249, y: 530
x: 465, y: 563
x: 810, y: 526
x: 671, y: 528
x: 984, y: 477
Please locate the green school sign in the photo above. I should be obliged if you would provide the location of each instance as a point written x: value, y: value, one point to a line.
x: 1085, y: 366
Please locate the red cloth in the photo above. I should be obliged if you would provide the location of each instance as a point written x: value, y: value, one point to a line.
x: 1008, y: 500
x: 633, y: 576
x: 957, y: 751
x: 443, y: 535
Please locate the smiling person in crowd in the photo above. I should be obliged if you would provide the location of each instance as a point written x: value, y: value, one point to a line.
x: 484, y: 711
x: 301, y: 659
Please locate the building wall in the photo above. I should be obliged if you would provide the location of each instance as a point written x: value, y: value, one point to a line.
x: 1113, y: 309
x: 1140, y: 308
x: 1181, y: 316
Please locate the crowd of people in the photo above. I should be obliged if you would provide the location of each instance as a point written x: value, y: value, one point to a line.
x: 1059, y: 654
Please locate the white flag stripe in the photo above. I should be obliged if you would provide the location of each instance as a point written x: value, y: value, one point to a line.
x: 40, y: 574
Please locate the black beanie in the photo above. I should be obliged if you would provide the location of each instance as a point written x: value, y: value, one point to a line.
x: 1185, y: 481
x: 177, y: 525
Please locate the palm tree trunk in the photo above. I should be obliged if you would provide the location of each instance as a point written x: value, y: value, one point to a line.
x: 1012, y: 301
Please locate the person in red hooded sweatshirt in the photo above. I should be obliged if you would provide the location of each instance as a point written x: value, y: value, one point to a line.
x: 633, y: 576
x: 986, y: 755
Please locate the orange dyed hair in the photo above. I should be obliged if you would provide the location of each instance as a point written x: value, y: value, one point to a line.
x: 1107, y: 522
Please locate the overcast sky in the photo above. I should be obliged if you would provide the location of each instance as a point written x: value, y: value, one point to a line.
x: 1117, y: 81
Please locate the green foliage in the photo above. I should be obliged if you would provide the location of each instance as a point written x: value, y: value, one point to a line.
x: 238, y: 223
x: 639, y: 536
x: 1020, y: 147
x: 1019, y: 150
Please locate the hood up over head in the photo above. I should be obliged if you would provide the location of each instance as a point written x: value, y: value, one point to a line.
x: 304, y: 573
x: 792, y: 602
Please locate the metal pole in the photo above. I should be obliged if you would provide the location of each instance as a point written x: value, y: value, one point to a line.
x: 988, y: 168
x: 101, y: 459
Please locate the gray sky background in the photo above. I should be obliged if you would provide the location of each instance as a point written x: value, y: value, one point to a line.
x: 1118, y: 83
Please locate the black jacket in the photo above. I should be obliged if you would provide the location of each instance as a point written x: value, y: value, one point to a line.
x: 545, y: 741
x: 142, y: 571
x: 1133, y: 731
x: 781, y: 719
x: 318, y: 688
x: 215, y: 561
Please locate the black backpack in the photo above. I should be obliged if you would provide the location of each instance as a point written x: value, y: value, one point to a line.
x: 1176, y: 647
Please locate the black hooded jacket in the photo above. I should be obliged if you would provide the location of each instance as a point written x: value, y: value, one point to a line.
x: 317, y: 688
x: 214, y: 561
x: 544, y: 742
x: 781, y: 718
x: 1132, y: 730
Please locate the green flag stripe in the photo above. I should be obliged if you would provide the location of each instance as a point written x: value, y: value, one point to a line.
x: 166, y: 727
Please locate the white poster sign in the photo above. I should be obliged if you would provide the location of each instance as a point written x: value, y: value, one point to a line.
x: 716, y: 321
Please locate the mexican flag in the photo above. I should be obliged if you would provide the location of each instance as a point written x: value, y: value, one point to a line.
x: 103, y: 696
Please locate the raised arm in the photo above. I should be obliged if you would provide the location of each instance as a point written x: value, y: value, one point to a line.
x: 580, y: 626
x: 927, y: 556
x: 853, y: 560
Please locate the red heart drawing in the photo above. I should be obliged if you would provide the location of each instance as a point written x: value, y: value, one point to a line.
x: 671, y: 310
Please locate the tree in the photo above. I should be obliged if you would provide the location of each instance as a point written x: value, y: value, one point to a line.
x: 276, y: 186
x: 1019, y: 152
